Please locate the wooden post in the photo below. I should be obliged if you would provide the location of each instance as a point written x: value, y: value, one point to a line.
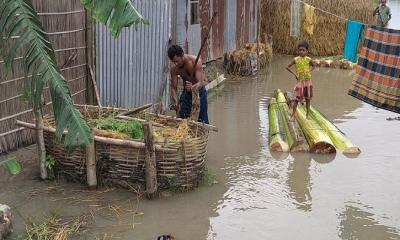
x: 150, y: 162
x: 91, y: 175
x: 40, y: 144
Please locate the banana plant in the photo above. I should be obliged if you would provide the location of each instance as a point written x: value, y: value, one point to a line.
x: 18, y: 19
x: 11, y: 165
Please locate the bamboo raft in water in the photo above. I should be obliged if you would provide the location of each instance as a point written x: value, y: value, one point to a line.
x: 316, y: 135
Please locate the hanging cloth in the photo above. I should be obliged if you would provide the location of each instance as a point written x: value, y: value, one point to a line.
x: 295, y: 18
x: 353, y: 36
x: 309, y: 18
x: 377, y: 77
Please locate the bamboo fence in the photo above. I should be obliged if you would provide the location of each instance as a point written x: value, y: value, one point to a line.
x: 65, y: 22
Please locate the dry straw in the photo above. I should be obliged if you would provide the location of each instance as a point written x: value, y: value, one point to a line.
x: 329, y: 31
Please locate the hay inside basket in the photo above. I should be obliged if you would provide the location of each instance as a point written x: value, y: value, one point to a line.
x: 120, y: 165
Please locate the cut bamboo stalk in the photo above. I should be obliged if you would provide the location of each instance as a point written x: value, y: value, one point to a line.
x: 118, y: 142
x: 341, y: 142
x: 276, y: 132
x: 150, y: 162
x: 318, y: 140
x: 299, y: 141
x: 136, y: 110
x: 91, y: 175
x: 40, y: 144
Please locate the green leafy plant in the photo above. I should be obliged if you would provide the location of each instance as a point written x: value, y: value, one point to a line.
x: 11, y: 165
x: 115, y: 14
x: 132, y: 128
x: 50, y: 164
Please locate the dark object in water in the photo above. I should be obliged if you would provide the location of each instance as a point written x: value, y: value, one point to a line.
x: 393, y: 119
x: 166, y: 237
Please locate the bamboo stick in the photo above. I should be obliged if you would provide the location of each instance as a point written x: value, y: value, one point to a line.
x: 299, y: 141
x: 40, y: 144
x: 150, y: 162
x: 277, y: 141
x: 119, y: 142
x: 91, y: 175
x: 136, y: 110
x: 340, y: 141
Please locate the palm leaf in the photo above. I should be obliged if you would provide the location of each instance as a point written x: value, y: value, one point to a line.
x: 18, y: 17
x: 115, y: 14
x: 12, y: 165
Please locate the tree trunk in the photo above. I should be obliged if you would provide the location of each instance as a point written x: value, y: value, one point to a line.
x: 150, y: 162
x: 40, y: 144
x: 91, y: 174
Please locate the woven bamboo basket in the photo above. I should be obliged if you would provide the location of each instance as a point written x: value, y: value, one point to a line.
x: 180, y: 164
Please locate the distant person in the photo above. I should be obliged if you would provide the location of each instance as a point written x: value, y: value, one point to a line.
x: 184, y: 66
x: 382, y: 14
x: 304, y: 67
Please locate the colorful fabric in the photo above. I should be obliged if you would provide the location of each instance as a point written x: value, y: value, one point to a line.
x: 303, y: 89
x: 377, y: 77
x: 353, y: 36
x: 295, y: 18
x: 186, y: 105
x: 383, y: 16
x: 302, y: 65
x: 309, y: 18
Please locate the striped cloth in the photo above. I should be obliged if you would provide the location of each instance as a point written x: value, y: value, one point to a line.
x: 377, y: 77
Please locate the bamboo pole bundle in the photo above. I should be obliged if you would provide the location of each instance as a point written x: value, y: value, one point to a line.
x: 277, y: 136
x: 340, y: 141
x: 318, y: 140
x: 299, y: 141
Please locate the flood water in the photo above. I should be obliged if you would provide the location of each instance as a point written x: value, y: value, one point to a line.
x: 259, y: 195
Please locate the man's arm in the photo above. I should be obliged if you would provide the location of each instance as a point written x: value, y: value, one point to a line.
x: 290, y: 70
x: 174, y: 86
x: 375, y: 11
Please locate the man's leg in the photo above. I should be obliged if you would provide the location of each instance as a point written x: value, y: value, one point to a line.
x: 203, y: 115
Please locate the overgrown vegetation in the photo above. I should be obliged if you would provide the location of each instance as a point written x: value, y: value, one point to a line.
x: 132, y: 128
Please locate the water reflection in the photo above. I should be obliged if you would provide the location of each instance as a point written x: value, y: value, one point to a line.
x: 357, y: 222
x: 299, y: 181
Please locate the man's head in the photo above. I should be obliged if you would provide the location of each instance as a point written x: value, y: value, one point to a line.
x: 176, y: 55
x: 302, y: 48
x: 383, y: 2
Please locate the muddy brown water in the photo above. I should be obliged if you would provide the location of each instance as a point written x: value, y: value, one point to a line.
x: 259, y: 194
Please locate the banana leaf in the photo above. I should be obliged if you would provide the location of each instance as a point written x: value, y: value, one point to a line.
x: 11, y: 165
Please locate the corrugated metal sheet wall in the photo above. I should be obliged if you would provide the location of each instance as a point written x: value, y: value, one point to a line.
x: 130, y: 69
x: 230, y: 25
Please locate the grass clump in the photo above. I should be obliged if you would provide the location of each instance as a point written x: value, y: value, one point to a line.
x: 131, y: 128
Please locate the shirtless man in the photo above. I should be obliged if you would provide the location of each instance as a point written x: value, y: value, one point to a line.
x: 184, y: 66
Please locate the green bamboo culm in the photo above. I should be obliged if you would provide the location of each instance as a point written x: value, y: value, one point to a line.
x: 277, y: 141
